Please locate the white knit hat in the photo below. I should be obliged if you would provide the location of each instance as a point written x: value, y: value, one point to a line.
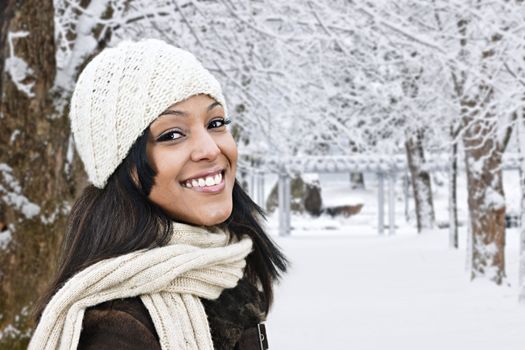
x: 122, y: 90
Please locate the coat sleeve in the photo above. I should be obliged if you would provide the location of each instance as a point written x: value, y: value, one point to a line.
x: 115, y: 330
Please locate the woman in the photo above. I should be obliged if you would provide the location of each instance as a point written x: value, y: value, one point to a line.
x: 164, y: 250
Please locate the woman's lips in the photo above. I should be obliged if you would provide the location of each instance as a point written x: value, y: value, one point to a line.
x: 207, y: 189
x: 205, y: 174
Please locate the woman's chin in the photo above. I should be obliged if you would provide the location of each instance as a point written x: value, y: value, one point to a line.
x: 214, y: 221
x: 211, y: 217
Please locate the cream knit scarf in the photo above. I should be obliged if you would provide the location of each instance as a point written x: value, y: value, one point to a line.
x: 170, y: 280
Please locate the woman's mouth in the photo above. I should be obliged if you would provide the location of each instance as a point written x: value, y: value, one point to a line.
x: 212, y: 183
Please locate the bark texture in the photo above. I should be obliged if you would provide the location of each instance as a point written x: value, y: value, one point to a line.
x: 483, y: 157
x: 452, y: 195
x: 421, y: 184
x: 521, y: 144
x: 35, y: 192
x: 6, y: 13
x: 521, y: 272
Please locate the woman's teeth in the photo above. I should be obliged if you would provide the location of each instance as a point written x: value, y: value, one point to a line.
x: 204, y: 181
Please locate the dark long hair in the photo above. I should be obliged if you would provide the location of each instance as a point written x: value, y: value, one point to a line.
x: 120, y: 219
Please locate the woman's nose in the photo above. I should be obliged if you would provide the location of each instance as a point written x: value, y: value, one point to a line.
x: 204, y: 147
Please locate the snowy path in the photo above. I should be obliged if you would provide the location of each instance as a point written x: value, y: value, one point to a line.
x: 386, y: 293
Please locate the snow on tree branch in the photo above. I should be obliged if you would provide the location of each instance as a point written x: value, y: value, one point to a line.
x: 17, y: 68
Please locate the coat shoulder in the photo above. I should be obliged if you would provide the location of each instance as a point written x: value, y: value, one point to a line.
x: 118, y: 324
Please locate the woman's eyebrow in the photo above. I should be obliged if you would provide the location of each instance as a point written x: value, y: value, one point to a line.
x: 213, y: 105
x: 173, y: 112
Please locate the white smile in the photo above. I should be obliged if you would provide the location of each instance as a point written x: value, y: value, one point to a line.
x: 202, y: 182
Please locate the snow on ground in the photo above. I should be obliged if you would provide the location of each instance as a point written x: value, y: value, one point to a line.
x: 349, y: 288
x: 401, y: 292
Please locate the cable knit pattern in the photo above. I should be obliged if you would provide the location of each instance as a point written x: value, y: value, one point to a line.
x: 170, y: 281
x: 122, y: 90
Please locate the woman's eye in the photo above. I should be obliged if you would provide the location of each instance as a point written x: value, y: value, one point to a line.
x: 217, y: 123
x: 170, y: 136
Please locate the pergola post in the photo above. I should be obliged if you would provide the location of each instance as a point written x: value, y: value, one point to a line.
x: 391, y: 203
x: 406, y: 193
x: 284, y: 204
x: 251, y: 184
x: 380, y: 203
x: 260, y: 190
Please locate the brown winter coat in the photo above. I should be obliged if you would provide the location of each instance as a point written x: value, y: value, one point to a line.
x: 126, y: 323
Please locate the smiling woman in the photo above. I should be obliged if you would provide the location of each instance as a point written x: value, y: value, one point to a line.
x: 195, y: 157
x: 164, y: 250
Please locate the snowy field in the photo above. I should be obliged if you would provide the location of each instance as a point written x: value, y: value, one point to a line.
x: 349, y: 288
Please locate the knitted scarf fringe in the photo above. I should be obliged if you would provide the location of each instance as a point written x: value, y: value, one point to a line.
x: 170, y: 281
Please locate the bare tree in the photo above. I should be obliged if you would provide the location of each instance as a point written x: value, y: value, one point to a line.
x: 40, y: 174
x: 471, y: 42
x: 420, y: 181
x: 33, y: 145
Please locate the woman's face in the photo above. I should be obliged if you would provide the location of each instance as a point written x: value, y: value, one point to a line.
x: 195, y: 158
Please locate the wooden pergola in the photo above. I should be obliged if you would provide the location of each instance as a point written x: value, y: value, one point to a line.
x: 386, y: 169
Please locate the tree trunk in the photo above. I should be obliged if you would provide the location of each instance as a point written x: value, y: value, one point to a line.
x: 452, y: 195
x: 6, y: 13
x: 35, y: 191
x: 357, y: 181
x: 486, y: 199
x: 521, y: 144
x: 521, y: 272
x: 420, y: 181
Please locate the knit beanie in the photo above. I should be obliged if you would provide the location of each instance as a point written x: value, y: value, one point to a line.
x: 122, y: 90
